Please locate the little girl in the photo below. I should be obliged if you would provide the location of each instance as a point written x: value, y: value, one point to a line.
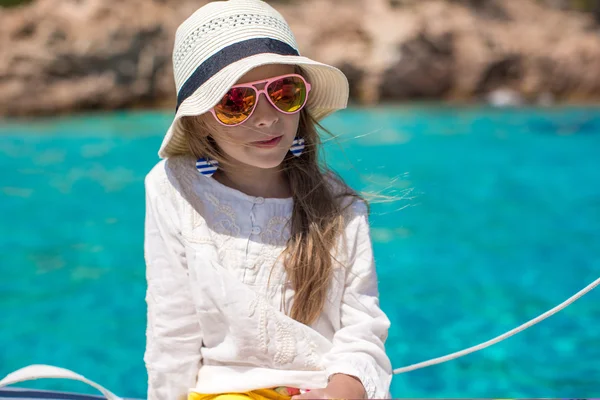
x: 261, y: 281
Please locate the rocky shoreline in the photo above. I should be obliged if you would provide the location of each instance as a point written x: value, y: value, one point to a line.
x: 76, y: 55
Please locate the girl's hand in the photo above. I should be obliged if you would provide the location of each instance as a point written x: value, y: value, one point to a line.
x: 313, y: 394
x: 340, y: 387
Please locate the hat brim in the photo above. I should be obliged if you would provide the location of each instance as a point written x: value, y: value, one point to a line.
x: 329, y: 93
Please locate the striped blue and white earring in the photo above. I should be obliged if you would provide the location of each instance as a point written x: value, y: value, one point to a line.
x: 206, y: 166
x: 297, y: 146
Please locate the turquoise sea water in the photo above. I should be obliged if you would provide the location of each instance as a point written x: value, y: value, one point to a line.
x: 496, y: 219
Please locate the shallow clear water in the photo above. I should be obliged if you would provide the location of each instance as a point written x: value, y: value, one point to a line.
x: 495, y: 219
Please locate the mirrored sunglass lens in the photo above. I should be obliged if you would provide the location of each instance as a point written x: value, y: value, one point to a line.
x: 236, y: 105
x: 288, y: 94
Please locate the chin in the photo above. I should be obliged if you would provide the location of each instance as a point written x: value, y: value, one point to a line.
x: 264, y: 165
x: 267, y: 162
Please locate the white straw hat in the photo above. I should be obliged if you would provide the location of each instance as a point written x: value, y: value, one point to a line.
x: 220, y: 43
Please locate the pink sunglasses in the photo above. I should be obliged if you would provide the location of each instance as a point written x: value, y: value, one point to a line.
x: 287, y: 93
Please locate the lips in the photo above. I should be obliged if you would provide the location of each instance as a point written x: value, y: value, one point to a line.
x: 268, y: 143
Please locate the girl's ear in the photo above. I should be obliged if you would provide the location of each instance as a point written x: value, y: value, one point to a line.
x: 204, y: 133
x: 203, y: 124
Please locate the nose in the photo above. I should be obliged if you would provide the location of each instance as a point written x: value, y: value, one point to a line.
x: 265, y: 115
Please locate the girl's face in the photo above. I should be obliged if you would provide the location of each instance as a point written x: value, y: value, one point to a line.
x: 263, y: 140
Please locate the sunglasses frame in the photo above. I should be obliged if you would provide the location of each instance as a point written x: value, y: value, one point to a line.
x: 258, y: 92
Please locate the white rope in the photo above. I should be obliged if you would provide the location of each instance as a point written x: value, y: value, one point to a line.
x: 40, y: 371
x: 45, y: 371
x: 500, y: 338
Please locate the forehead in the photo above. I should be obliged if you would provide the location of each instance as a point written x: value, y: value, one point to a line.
x: 266, y: 72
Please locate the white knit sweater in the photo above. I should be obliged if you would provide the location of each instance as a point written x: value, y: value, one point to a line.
x: 216, y: 317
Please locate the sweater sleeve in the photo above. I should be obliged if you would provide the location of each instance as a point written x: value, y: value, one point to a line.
x: 173, y: 335
x: 358, y: 346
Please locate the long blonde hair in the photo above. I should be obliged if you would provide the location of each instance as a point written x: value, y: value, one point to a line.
x: 317, y: 219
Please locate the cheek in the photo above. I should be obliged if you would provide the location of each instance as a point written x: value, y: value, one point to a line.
x: 229, y: 137
x: 291, y: 123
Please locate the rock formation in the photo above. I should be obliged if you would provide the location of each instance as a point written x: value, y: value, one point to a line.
x: 72, y: 55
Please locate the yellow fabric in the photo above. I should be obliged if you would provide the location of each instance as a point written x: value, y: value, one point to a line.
x: 260, y: 394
